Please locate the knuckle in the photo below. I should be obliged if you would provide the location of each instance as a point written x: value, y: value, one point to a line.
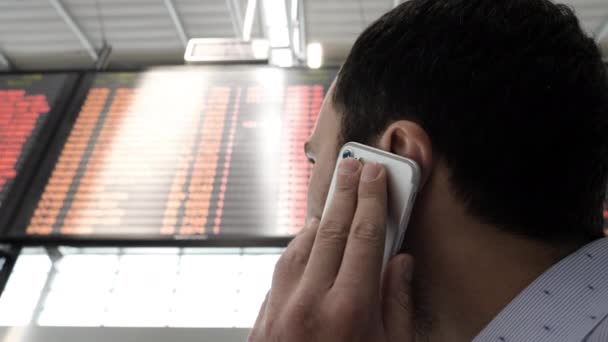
x: 311, y: 226
x: 346, y: 184
x: 368, y: 230
x: 349, y: 311
x: 370, y: 191
x: 333, y: 231
x: 290, y: 258
x: 293, y: 244
x: 294, y: 318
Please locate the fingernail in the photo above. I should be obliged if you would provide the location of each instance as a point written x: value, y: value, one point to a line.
x: 408, y: 269
x: 371, y: 171
x: 349, y: 166
x: 313, y: 221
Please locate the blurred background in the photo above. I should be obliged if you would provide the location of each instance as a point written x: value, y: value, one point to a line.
x: 151, y: 163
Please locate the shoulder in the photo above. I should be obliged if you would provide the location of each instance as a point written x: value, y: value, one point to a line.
x: 568, y: 302
x: 600, y: 333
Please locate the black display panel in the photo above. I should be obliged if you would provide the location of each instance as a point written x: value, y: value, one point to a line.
x: 180, y: 154
x: 605, y: 217
x: 30, y: 107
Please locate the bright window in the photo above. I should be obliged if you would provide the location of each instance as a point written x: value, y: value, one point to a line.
x: 162, y: 287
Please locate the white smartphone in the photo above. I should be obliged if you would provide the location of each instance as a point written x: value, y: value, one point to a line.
x: 403, y: 177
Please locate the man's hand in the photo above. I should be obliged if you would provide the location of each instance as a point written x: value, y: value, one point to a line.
x: 327, y: 284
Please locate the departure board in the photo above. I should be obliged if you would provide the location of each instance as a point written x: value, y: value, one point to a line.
x: 183, y: 152
x: 606, y: 217
x: 26, y: 103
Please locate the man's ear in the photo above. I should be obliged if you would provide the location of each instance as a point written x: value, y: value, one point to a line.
x: 408, y: 139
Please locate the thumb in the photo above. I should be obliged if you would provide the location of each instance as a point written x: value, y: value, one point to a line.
x: 397, y: 302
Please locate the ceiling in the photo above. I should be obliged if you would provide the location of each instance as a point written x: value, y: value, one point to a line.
x: 35, y: 35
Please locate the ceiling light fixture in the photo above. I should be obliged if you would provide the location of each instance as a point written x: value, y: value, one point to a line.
x: 314, y: 55
x: 275, y: 17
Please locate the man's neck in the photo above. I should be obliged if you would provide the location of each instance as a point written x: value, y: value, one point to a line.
x: 471, y: 280
x: 467, y: 271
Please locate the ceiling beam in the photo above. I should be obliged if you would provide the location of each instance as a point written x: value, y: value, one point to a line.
x: 290, y: 28
x: 5, y: 64
x: 302, y: 28
x: 105, y: 55
x: 177, y: 22
x: 250, y: 12
x: 262, y: 20
x: 67, y: 18
x: 236, y: 17
x: 296, y: 19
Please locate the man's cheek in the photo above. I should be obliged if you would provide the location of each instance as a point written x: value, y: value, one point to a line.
x: 312, y: 207
x: 317, y: 194
x: 314, y: 200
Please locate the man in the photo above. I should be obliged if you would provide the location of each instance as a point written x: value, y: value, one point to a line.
x: 504, y: 105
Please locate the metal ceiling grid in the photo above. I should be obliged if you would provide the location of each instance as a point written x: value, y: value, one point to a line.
x: 337, y: 23
x: 256, y: 31
x: 135, y: 29
x: 208, y: 18
x: 127, y: 24
x: 31, y: 29
x: 34, y: 34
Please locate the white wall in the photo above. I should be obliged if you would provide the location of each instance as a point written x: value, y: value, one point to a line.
x: 61, y: 334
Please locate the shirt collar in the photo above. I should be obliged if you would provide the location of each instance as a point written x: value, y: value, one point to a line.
x: 564, y: 304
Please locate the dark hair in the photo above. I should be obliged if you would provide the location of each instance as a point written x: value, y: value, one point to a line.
x: 513, y: 95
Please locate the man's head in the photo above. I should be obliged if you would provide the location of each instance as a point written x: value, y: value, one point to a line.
x: 510, y: 97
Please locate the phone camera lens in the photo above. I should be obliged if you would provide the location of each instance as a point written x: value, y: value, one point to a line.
x: 347, y: 154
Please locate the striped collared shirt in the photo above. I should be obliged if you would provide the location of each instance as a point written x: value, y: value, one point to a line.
x: 568, y: 302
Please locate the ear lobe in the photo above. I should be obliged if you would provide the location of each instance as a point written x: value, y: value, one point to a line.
x: 408, y: 139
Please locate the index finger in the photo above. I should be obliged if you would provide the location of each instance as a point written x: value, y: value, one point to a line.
x: 328, y: 248
x: 362, y: 263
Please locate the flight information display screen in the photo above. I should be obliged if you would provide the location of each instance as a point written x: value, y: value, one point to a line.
x: 26, y: 103
x: 606, y: 217
x: 182, y: 152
